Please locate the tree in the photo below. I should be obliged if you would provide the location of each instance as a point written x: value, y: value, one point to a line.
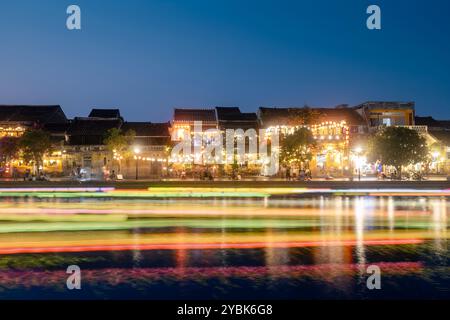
x: 34, y: 144
x: 437, y: 147
x: 398, y: 147
x: 119, y: 143
x: 9, y: 148
x: 296, y: 148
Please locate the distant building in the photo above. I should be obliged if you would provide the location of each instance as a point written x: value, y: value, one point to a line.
x: 233, y: 118
x: 84, y: 147
x: 57, y: 131
x: 333, y: 128
x: 90, y: 131
x: 387, y: 113
x: 153, y: 141
x: 214, y: 121
x: 339, y: 131
x: 432, y: 123
x: 184, y: 119
x: 105, y: 113
x: 438, y: 139
x: 244, y: 124
x: 15, y: 119
x: 288, y: 117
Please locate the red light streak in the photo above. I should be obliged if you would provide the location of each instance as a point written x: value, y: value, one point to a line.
x: 203, y: 246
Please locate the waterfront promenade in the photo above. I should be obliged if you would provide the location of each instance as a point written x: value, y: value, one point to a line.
x: 144, y: 184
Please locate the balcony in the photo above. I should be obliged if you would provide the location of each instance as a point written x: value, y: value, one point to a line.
x: 420, y: 129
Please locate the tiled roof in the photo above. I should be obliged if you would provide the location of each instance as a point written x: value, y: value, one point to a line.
x: 280, y: 116
x: 90, y: 131
x: 234, y: 114
x: 441, y: 135
x: 57, y: 128
x: 86, y: 126
x: 32, y: 114
x: 189, y: 115
x: 104, y: 113
x: 233, y: 118
x: 431, y: 122
x: 445, y: 123
x: 387, y: 105
x: 147, y: 129
x: 426, y: 121
x: 337, y: 114
x: 149, y: 134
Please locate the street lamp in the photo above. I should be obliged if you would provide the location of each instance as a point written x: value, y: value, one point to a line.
x: 358, y: 151
x: 436, y: 155
x: 136, y: 150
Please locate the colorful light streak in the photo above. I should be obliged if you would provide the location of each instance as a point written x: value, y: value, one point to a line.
x: 120, y: 211
x: 137, y: 228
x: 203, y: 246
x: 62, y: 189
x: 109, y: 225
x: 178, y: 192
x: 115, y: 276
x: 116, y: 222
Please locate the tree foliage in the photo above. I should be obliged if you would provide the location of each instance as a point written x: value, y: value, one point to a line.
x: 437, y: 147
x: 34, y: 144
x: 9, y: 148
x: 398, y: 146
x: 296, y: 148
x: 120, y: 142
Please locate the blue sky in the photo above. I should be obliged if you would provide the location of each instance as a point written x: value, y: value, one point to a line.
x: 147, y: 57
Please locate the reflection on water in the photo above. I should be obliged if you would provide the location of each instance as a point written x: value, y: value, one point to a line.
x: 316, y: 247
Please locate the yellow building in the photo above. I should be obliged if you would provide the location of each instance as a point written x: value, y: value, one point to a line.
x: 332, y: 128
x: 16, y: 119
x: 387, y: 113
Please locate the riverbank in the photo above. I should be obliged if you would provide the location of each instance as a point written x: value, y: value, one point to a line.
x: 234, y: 184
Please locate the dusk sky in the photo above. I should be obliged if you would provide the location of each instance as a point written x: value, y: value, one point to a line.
x: 147, y: 57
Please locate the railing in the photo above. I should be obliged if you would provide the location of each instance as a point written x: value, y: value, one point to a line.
x: 421, y: 129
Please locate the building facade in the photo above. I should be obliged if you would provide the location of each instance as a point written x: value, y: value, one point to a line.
x: 387, y: 113
x: 16, y: 119
x: 335, y: 131
x: 438, y: 138
x: 340, y: 132
x: 85, y: 149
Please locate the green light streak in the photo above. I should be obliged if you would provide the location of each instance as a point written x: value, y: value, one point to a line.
x: 154, y: 223
x: 107, y: 224
x: 143, y: 195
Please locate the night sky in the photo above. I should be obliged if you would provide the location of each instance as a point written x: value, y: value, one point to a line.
x: 147, y: 57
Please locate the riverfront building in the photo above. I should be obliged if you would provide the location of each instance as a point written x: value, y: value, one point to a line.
x: 341, y: 134
x: 334, y: 129
x: 438, y: 134
x: 85, y: 149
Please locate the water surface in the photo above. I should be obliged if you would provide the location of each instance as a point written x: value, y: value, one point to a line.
x: 316, y: 247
